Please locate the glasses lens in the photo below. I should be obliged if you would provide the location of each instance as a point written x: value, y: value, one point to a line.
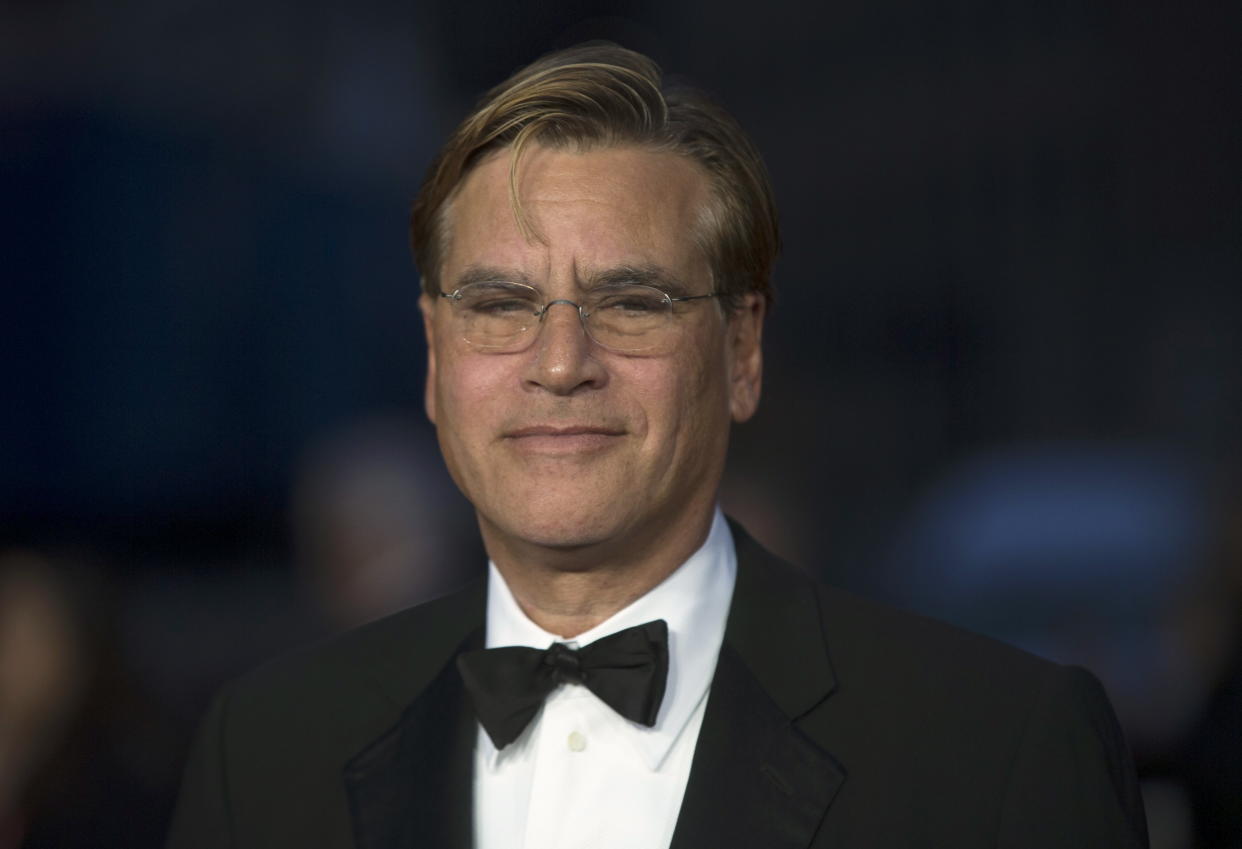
x: 628, y: 318
x: 495, y: 315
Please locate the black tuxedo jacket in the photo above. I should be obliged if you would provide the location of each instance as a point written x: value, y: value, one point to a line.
x: 831, y: 722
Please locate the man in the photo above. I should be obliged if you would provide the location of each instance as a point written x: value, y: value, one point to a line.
x: 636, y: 671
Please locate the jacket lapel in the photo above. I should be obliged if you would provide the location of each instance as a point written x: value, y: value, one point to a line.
x: 413, y: 785
x: 756, y: 779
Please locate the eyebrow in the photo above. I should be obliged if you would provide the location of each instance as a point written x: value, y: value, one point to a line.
x: 648, y: 275
x: 492, y: 274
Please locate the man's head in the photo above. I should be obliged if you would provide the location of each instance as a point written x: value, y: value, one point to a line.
x: 577, y: 179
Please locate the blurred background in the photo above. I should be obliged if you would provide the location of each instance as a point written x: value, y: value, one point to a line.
x: 1004, y: 375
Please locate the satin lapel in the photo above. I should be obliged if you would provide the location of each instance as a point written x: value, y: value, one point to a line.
x: 756, y: 779
x: 413, y: 786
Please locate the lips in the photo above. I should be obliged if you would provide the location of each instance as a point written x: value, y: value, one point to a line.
x: 564, y: 430
x: 563, y: 440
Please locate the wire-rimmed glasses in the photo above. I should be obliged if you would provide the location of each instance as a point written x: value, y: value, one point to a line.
x: 502, y: 317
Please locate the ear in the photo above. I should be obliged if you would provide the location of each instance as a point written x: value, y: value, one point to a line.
x: 427, y: 306
x: 746, y: 356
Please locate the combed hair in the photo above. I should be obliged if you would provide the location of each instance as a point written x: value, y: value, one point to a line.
x: 597, y: 96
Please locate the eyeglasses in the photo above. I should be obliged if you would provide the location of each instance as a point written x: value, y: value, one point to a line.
x: 499, y: 317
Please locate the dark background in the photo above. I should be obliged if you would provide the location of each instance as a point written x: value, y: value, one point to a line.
x: 1004, y: 374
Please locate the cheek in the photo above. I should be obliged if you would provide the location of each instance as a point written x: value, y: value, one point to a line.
x: 685, y: 403
x: 465, y: 393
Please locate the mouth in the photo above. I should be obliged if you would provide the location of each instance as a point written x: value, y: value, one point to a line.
x: 564, y: 439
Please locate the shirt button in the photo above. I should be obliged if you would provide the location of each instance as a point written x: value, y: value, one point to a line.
x: 577, y: 742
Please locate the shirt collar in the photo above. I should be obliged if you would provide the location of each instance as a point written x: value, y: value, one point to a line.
x: 693, y: 600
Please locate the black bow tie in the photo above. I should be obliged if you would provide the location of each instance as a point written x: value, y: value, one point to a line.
x: 627, y: 670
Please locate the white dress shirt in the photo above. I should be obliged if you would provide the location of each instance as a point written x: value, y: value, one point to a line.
x: 581, y: 776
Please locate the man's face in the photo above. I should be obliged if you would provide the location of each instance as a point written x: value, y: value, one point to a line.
x: 566, y: 443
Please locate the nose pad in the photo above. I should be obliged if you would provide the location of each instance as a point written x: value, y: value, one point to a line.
x: 550, y: 304
x: 543, y: 316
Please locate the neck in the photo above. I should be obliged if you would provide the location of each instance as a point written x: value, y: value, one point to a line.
x: 568, y: 591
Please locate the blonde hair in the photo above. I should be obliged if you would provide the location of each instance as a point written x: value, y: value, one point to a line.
x: 597, y: 96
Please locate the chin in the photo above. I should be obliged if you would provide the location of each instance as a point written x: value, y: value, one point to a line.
x: 564, y: 524
x: 566, y: 532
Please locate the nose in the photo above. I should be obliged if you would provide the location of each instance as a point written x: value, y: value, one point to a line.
x: 563, y: 360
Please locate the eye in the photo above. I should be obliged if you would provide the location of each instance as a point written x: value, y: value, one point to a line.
x: 500, y: 305
x: 632, y: 300
x: 494, y: 299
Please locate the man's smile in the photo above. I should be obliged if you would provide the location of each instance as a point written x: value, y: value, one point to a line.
x: 563, y: 440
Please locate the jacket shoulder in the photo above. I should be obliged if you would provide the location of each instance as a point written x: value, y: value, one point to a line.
x: 866, y: 635
x: 267, y: 765
x: 866, y: 646
x: 944, y: 731
x: 386, y: 661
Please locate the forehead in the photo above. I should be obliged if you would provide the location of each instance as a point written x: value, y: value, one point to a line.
x: 583, y: 210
